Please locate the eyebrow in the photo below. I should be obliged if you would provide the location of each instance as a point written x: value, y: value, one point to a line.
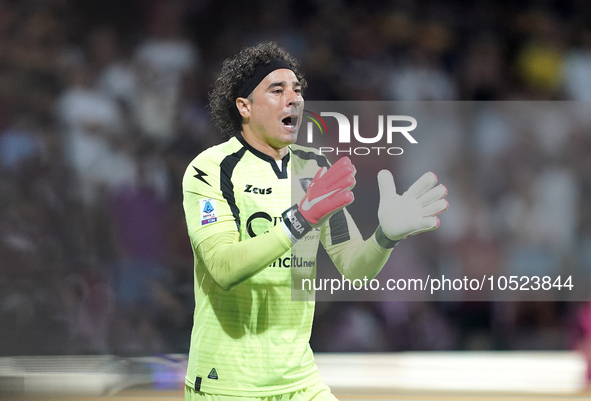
x: 283, y: 83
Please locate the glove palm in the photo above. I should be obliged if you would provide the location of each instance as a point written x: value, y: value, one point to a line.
x: 413, y: 212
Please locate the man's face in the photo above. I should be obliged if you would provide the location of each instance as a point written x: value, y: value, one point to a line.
x: 275, y: 112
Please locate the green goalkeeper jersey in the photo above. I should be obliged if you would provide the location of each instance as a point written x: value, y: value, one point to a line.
x: 251, y: 339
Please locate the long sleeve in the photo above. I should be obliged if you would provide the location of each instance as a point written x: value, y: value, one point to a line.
x: 230, y: 262
x: 212, y: 227
x: 353, y: 257
x: 357, y: 259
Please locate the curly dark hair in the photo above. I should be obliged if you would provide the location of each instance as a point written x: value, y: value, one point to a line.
x: 236, y: 70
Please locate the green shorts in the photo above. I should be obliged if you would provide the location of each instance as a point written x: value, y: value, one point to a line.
x: 317, y: 392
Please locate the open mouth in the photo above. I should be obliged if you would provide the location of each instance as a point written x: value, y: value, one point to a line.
x: 290, y: 122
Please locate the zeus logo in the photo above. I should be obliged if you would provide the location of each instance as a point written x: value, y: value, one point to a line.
x: 261, y: 191
x: 392, y: 127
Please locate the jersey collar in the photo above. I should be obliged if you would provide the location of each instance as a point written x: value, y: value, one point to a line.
x: 281, y: 174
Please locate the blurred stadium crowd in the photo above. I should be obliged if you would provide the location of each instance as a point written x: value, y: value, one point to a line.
x: 103, y: 105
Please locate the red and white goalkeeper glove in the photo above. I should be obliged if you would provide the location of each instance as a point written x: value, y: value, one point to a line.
x: 329, y: 192
x: 411, y: 213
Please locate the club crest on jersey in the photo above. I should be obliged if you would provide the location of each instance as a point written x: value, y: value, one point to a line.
x: 208, y: 211
x: 305, y: 183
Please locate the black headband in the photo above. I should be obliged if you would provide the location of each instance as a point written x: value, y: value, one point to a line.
x: 260, y: 72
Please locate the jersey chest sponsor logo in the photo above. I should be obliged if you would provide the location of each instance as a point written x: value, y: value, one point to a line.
x: 272, y: 221
x: 293, y: 261
x: 259, y: 191
x: 260, y: 215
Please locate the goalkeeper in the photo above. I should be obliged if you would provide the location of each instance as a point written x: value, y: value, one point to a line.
x: 249, y: 340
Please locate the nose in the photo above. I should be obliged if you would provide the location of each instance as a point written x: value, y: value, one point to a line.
x: 294, y: 98
x: 296, y: 106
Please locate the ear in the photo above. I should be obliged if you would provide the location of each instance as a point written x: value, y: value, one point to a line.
x: 243, y: 106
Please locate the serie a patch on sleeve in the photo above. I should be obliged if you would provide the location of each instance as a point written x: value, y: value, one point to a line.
x: 208, y: 211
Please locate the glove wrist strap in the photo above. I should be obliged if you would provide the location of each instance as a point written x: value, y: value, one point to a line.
x: 295, y: 222
x: 384, y: 241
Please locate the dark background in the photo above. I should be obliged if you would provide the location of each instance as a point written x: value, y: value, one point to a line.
x: 103, y: 105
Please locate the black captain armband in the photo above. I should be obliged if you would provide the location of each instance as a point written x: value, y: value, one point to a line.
x: 295, y: 222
